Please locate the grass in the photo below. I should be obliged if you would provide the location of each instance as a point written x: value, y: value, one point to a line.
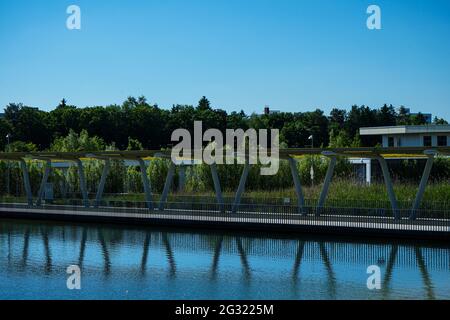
x: 341, y: 193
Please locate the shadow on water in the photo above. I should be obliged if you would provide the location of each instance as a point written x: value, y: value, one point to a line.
x: 286, y: 259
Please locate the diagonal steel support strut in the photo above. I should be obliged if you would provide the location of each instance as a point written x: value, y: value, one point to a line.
x: 146, y: 183
x: 298, y: 186
x: 327, y: 182
x: 82, y: 180
x: 217, y: 188
x: 26, y: 182
x: 423, y: 183
x: 167, y: 186
x: 389, y: 187
x: 101, y: 186
x: 241, y: 188
x: 48, y: 167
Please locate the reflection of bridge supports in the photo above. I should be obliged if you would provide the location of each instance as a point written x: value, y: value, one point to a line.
x: 101, y: 186
x: 423, y: 183
x: 48, y: 168
x: 298, y: 186
x: 389, y: 269
x: 82, y: 247
x: 170, y: 256
x: 328, y: 266
x: 217, y: 251
x: 82, y: 180
x: 241, y: 188
x: 145, y: 252
x: 328, y: 178
x: 146, y: 184
x: 425, y: 275
x: 243, y: 257
x: 298, y: 259
x: 167, y: 186
x: 217, y: 188
x: 26, y: 182
x: 48, y: 255
x: 105, y: 252
x: 26, y: 244
x: 389, y: 187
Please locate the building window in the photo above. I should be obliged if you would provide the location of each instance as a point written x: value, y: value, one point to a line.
x: 390, y: 141
x: 442, y: 141
x: 427, y: 141
x: 399, y: 142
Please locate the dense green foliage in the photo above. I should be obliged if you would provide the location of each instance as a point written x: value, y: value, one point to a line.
x: 150, y: 126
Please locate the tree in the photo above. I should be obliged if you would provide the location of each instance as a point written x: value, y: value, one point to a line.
x: 439, y: 121
x: 203, y: 104
x: 134, y: 144
x: 30, y: 124
x: 74, y: 142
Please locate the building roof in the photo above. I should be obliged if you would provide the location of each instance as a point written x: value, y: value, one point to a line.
x: 370, y: 131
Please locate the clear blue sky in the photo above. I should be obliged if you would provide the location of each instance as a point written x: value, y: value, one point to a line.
x: 292, y: 55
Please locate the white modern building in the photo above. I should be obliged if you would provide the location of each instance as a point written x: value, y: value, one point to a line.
x: 411, y: 136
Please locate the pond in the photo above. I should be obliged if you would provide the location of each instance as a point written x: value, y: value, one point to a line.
x: 124, y: 262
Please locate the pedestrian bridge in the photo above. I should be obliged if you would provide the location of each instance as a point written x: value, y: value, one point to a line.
x: 298, y: 215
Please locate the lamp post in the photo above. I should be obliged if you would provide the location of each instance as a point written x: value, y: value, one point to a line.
x: 8, y: 137
x: 311, y: 172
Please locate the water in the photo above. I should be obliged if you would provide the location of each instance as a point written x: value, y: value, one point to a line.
x: 119, y: 262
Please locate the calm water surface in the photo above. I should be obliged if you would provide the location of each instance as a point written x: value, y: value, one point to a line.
x: 145, y: 263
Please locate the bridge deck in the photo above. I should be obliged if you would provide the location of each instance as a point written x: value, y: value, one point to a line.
x: 243, y: 220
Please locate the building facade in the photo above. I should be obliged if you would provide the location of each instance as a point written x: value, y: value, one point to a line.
x: 411, y: 136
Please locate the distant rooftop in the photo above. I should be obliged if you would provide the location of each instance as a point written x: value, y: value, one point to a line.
x: 433, y: 128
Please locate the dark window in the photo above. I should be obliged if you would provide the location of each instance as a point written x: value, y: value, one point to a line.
x: 427, y: 142
x: 442, y: 141
x: 390, y: 141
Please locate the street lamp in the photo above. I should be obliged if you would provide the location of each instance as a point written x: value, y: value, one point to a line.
x: 311, y: 171
x: 8, y: 137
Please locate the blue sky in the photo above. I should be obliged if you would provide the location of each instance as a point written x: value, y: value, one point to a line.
x: 292, y: 55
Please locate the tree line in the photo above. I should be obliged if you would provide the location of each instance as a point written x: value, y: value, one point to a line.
x: 137, y: 124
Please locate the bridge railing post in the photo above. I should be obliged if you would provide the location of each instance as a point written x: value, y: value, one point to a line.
x: 26, y: 182
x: 389, y: 187
x: 241, y: 188
x: 423, y: 182
x: 167, y: 186
x: 327, y: 182
x: 298, y: 186
x: 101, y: 186
x: 146, y: 183
x: 47, y: 169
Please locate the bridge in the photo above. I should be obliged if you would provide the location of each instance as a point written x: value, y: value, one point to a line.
x: 235, y: 214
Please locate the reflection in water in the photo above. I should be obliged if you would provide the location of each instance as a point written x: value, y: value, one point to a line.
x: 145, y: 253
x: 424, y: 272
x: 26, y: 242
x: 105, y: 252
x: 389, y: 269
x: 48, y: 254
x: 329, y: 268
x: 196, y: 265
x: 216, y: 256
x: 169, y: 253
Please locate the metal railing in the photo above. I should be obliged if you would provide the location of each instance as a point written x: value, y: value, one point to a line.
x: 336, y: 217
